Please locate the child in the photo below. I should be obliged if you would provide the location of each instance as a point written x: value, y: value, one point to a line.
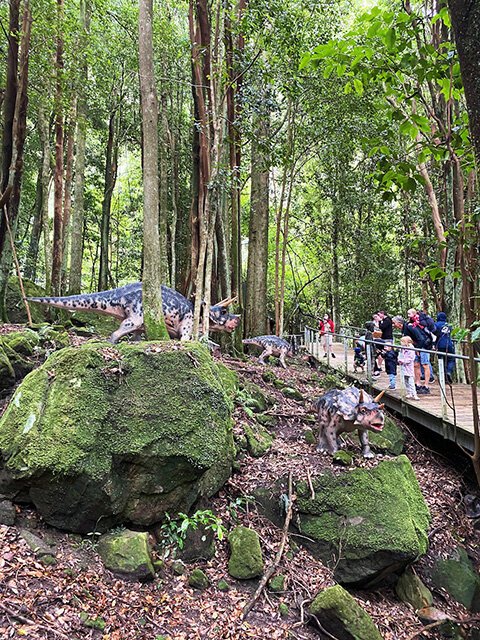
x: 406, y: 360
x: 359, y: 358
x: 390, y: 358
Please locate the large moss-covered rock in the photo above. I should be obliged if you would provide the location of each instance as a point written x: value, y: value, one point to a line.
x: 100, y: 435
x: 341, y: 616
x: 127, y: 553
x: 259, y: 440
x: 458, y: 577
x: 246, y: 560
x: 366, y: 523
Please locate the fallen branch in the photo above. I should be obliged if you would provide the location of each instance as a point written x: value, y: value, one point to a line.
x: 28, y: 621
x: 438, y: 623
x: 269, y: 572
x: 309, y: 479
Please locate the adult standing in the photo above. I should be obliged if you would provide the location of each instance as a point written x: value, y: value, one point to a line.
x: 327, y: 328
x: 444, y: 344
x: 385, y: 326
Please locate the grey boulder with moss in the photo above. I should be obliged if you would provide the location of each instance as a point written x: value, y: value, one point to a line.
x: 101, y: 435
x: 366, y: 524
x: 341, y: 616
x: 246, y: 560
x: 127, y: 553
x: 458, y: 577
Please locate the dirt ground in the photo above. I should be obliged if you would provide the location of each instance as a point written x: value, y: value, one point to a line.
x: 75, y: 596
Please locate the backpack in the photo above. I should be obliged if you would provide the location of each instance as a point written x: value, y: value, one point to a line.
x: 427, y: 327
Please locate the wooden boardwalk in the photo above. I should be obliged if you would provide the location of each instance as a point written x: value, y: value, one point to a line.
x: 453, y: 420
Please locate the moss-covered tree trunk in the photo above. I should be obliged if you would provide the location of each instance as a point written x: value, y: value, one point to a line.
x: 154, y: 320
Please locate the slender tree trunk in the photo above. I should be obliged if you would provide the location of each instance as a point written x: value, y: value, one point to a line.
x: 154, y: 320
x: 44, y: 135
x: 19, y: 132
x: 164, y: 182
x: 30, y: 270
x: 257, y: 265
x: 76, y: 250
x: 109, y: 185
x: 67, y: 201
x: 58, y: 174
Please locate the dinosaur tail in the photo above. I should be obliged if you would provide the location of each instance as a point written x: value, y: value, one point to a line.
x: 80, y: 302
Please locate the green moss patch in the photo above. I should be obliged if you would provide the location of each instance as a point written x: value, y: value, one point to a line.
x: 342, y: 617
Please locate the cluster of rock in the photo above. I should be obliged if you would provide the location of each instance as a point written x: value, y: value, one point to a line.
x: 99, y: 436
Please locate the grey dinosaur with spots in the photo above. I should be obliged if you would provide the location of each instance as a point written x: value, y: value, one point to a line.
x: 272, y: 346
x: 125, y: 304
x: 347, y: 410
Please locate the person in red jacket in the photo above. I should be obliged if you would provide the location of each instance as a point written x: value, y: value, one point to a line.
x: 327, y: 327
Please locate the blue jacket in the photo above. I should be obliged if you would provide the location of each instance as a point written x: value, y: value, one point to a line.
x: 390, y: 358
x: 443, y: 333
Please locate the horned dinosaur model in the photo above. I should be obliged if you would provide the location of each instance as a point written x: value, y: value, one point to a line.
x: 125, y: 304
x: 345, y: 411
x: 272, y: 346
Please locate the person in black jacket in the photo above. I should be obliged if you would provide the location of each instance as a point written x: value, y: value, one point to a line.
x: 390, y: 357
x: 385, y: 326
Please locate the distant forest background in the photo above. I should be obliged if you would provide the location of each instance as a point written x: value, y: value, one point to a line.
x: 313, y: 155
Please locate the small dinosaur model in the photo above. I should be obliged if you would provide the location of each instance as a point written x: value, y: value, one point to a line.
x: 272, y: 346
x: 125, y: 304
x: 346, y: 410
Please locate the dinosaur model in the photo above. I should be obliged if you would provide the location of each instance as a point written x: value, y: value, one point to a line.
x: 272, y: 346
x: 125, y: 304
x: 346, y: 410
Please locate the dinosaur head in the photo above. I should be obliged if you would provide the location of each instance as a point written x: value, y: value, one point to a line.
x: 369, y: 413
x: 221, y: 319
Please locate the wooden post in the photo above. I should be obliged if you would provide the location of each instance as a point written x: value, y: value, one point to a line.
x: 317, y: 344
x: 441, y: 384
x: 368, y: 351
x: 345, y: 354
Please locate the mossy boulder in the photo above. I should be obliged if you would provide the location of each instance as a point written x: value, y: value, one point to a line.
x: 101, y: 435
x: 16, y: 311
x: 292, y: 394
x: 93, y: 323
x: 198, y: 579
x: 252, y: 397
x: 365, y: 523
x: 457, y: 576
x: 341, y: 616
x: 246, y: 560
x: 411, y: 589
x: 7, y: 374
x: 259, y: 440
x: 7, y: 512
x: 127, y: 553
x: 391, y: 440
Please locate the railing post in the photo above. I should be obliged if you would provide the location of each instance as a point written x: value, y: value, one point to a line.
x: 317, y: 345
x: 441, y: 384
x: 345, y: 353
x: 305, y: 338
x: 368, y: 351
x: 327, y: 344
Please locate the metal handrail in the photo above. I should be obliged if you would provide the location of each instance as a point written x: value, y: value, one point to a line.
x: 375, y: 342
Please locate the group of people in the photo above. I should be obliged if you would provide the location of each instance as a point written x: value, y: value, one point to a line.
x: 419, y: 332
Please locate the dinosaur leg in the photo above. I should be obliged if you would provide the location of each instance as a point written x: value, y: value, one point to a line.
x: 282, y: 359
x: 131, y: 324
x: 265, y: 354
x: 331, y: 435
x: 366, y: 451
x: 186, y: 327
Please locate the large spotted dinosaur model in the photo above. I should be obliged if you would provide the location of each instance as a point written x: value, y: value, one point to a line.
x: 125, y: 304
x: 272, y: 346
x: 345, y: 411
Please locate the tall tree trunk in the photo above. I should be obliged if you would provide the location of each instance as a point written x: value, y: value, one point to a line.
x: 58, y: 174
x: 164, y: 213
x: 257, y: 265
x: 466, y: 28
x: 154, y: 320
x: 67, y: 200
x: 19, y: 132
x: 109, y: 185
x: 31, y: 259
x: 76, y: 250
